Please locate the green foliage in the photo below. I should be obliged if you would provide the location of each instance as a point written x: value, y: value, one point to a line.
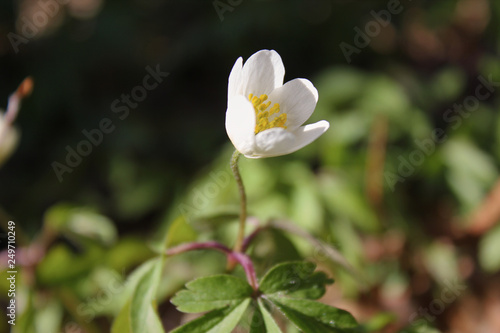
x: 471, y: 171
x: 214, y: 292
x: 262, y: 315
x: 71, y: 220
x: 311, y: 317
x: 220, y: 320
x: 138, y: 314
x: 295, y: 279
x: 179, y: 232
x: 288, y: 286
x: 489, y: 251
x: 57, y: 267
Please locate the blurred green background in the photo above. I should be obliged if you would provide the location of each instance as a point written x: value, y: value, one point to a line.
x: 411, y: 212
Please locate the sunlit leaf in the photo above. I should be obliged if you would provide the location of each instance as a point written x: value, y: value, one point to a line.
x: 314, y: 317
x: 212, y: 292
x: 295, y: 279
x: 217, y: 321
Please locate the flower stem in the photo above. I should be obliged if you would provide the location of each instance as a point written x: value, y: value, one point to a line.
x: 243, y: 202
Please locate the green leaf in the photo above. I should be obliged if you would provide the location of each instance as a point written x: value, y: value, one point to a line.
x: 314, y: 317
x: 257, y: 325
x: 217, y: 321
x: 142, y: 283
x: 58, y: 266
x: 179, y: 232
x: 271, y: 326
x: 471, y: 171
x: 87, y: 223
x: 262, y: 321
x: 65, y: 218
x: 121, y: 323
x: 153, y: 323
x: 489, y: 250
x: 296, y: 279
x: 49, y: 317
x: 212, y: 292
x: 127, y: 253
x: 379, y: 321
x: 57, y: 216
x: 144, y: 295
x: 136, y: 276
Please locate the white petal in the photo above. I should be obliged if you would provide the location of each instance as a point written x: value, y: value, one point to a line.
x: 278, y: 141
x: 234, y: 86
x: 262, y: 73
x: 297, y: 98
x: 240, y: 124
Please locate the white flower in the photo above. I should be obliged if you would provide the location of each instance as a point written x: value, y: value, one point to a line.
x: 264, y: 117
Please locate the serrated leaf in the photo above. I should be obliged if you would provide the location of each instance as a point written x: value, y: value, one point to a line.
x: 296, y: 279
x: 314, y: 317
x: 217, y: 321
x: 212, y: 292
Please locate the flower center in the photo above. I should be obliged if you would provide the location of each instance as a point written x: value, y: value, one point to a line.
x: 265, y: 119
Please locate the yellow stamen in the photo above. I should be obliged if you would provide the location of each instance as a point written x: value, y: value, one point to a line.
x: 262, y: 116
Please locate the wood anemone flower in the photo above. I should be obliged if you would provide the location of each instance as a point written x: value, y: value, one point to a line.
x: 264, y: 117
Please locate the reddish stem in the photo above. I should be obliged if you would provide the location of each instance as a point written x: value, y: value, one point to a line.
x: 232, y: 256
x: 251, y: 237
